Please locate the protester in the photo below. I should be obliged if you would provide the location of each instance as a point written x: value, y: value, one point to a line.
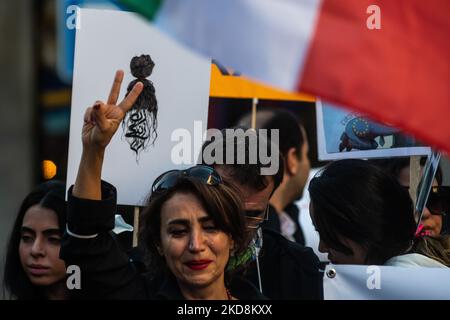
x: 293, y: 145
x: 282, y: 269
x: 435, y: 217
x: 33, y: 269
x: 192, y: 223
x: 364, y: 216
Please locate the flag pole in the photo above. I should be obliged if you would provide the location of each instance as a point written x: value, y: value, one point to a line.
x: 429, y: 172
x: 414, y: 177
x: 136, y: 226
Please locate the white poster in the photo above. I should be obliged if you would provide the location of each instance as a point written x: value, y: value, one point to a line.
x: 107, y: 41
x: 357, y: 282
x: 343, y: 134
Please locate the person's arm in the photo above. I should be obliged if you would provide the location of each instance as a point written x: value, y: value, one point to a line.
x: 88, y: 243
x: 100, y: 123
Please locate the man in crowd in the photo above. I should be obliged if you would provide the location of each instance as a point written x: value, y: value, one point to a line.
x: 293, y: 145
x: 283, y: 269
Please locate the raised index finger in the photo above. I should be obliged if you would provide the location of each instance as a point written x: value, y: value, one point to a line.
x: 115, y: 89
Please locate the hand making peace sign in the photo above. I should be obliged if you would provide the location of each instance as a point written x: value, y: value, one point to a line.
x: 102, y: 120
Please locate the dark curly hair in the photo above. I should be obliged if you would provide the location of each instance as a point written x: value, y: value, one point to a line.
x: 140, y: 122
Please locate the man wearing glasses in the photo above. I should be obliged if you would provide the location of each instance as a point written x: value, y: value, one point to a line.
x: 293, y: 145
x: 282, y: 269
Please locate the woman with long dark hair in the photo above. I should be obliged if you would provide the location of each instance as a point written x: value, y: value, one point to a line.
x: 436, y: 214
x: 192, y: 224
x: 364, y: 216
x: 33, y: 269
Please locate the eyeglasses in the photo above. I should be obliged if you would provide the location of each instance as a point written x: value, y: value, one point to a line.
x: 256, y: 217
x: 438, y: 202
x: 203, y: 173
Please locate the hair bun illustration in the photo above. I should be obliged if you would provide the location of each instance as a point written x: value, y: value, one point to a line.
x: 142, y: 67
x: 140, y: 122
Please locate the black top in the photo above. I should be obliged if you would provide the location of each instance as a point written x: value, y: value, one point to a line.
x: 106, y: 270
x: 288, y: 269
x: 239, y: 288
x: 293, y: 212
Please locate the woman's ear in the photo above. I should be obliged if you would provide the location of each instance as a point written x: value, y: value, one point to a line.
x: 292, y: 162
x: 160, y: 250
x: 232, y: 247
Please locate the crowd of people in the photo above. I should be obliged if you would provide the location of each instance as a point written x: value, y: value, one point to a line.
x: 219, y: 231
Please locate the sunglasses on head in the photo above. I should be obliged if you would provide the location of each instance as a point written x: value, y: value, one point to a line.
x: 438, y: 202
x: 168, y: 179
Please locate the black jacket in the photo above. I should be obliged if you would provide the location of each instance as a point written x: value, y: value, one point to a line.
x: 288, y: 269
x: 273, y: 222
x: 106, y: 270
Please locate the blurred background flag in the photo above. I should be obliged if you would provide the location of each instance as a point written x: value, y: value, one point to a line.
x: 66, y: 17
x: 390, y: 63
x: 147, y: 8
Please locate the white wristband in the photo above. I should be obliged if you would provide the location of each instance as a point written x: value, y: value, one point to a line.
x: 79, y: 236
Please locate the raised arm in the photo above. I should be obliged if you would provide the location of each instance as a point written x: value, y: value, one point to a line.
x: 101, y: 121
x: 106, y: 271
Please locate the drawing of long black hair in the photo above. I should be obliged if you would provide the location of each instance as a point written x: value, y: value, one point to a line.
x: 141, y: 121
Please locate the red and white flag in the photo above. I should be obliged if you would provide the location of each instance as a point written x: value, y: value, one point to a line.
x: 388, y: 59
